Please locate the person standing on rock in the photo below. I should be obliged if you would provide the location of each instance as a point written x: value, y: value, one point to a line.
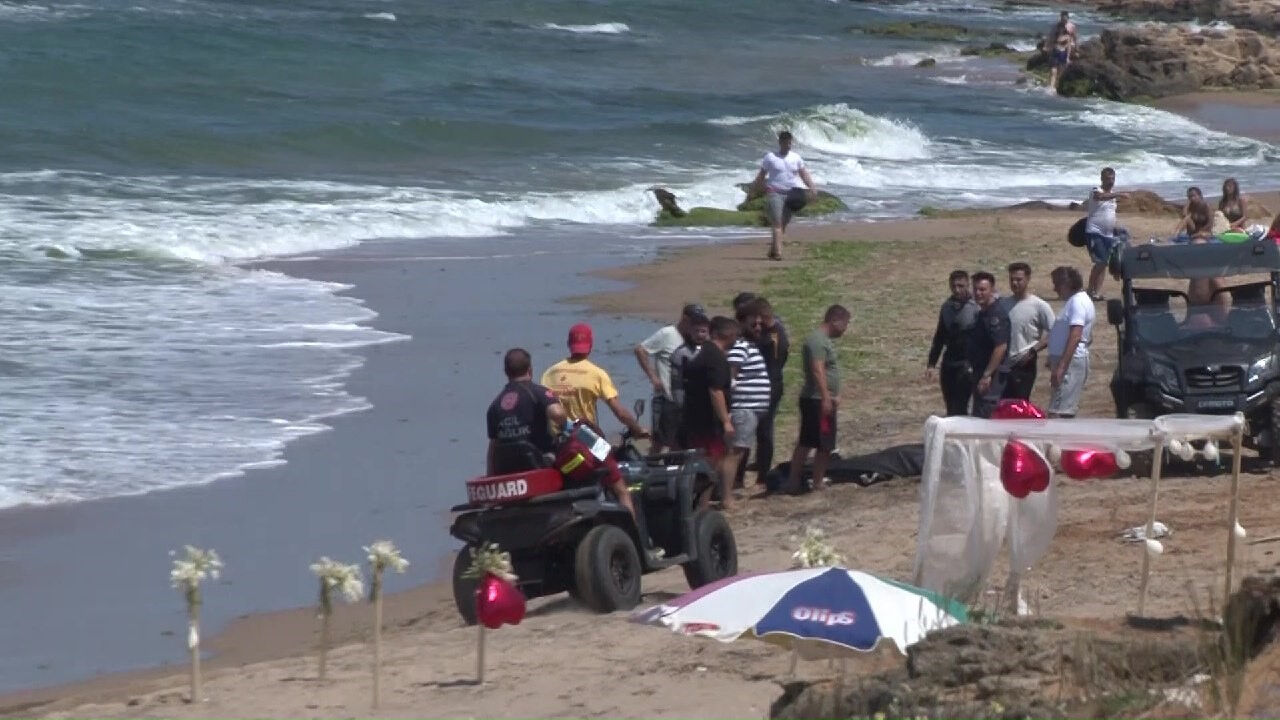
x: 786, y: 183
x: 1062, y: 45
x: 1100, y: 229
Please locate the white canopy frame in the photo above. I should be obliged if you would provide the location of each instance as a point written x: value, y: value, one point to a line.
x: 961, y: 464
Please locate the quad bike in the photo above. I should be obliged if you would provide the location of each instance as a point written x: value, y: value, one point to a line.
x: 574, y: 536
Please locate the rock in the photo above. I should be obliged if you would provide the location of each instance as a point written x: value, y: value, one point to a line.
x: 929, y: 30
x: 1258, y: 15
x: 750, y: 213
x: 991, y: 50
x: 710, y: 217
x: 926, y: 63
x: 824, y: 204
x: 1156, y: 61
x: 667, y: 200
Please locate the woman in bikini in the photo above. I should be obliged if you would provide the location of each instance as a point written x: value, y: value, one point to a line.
x: 1205, y: 305
x: 1184, y: 226
x: 1232, y: 204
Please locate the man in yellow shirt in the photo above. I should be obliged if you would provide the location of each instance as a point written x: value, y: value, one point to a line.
x: 578, y: 383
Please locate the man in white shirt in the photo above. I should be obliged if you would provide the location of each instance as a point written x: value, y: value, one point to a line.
x: 654, y: 356
x: 1069, y: 342
x: 780, y: 174
x: 1030, y: 319
x: 1100, y: 228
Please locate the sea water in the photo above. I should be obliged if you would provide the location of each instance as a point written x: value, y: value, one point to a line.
x: 148, y: 146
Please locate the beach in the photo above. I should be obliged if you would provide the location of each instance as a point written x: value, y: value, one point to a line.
x: 263, y: 665
x: 262, y: 310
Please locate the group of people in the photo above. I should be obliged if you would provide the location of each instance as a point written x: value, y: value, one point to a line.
x: 717, y: 384
x: 987, y: 347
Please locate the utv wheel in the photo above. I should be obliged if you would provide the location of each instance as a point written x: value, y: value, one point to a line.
x: 1274, y: 450
x: 717, y: 551
x: 1139, y: 411
x: 464, y: 589
x: 607, y: 570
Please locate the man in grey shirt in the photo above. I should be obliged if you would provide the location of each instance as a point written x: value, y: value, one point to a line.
x: 1030, y: 319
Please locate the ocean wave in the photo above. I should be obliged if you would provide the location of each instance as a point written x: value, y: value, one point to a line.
x: 734, y: 120
x: 608, y: 28
x: 994, y: 173
x: 1152, y: 126
x: 385, y: 16
x: 841, y: 130
x: 213, y: 220
x: 941, y: 54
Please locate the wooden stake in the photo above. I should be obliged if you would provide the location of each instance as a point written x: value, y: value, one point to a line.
x: 1156, y: 466
x: 193, y: 642
x: 795, y: 659
x: 1234, y: 515
x: 377, y: 635
x: 325, y: 610
x: 480, y: 656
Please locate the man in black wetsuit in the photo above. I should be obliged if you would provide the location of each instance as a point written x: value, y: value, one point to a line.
x: 955, y: 322
x: 524, y: 411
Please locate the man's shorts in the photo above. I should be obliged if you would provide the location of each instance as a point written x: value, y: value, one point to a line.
x: 711, y: 445
x: 1060, y: 58
x: 666, y: 422
x: 1101, y: 247
x: 745, y: 423
x: 1065, y: 399
x: 775, y: 207
x: 816, y: 430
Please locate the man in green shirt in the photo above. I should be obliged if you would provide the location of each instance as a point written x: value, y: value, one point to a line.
x: 819, y: 398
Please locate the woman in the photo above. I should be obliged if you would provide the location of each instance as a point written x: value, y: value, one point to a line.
x: 1184, y: 226
x: 1206, y: 306
x: 1232, y: 204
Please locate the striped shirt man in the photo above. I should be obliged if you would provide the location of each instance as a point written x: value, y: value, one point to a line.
x: 751, y: 384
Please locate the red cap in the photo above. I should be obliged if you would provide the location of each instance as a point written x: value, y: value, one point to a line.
x: 580, y: 339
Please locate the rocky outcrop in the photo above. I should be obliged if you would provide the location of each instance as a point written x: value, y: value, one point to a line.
x: 749, y: 212
x: 1156, y: 61
x: 1260, y: 15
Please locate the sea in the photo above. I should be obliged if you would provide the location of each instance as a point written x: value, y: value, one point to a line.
x: 149, y: 149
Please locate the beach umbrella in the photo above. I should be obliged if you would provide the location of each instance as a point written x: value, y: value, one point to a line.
x: 822, y: 612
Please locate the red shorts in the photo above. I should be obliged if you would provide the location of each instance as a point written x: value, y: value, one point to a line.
x: 711, y: 445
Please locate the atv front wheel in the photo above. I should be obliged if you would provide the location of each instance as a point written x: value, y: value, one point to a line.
x: 464, y: 589
x: 607, y: 570
x: 717, y: 551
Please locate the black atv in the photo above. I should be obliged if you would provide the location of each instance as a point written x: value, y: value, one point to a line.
x: 580, y: 540
x: 1213, y: 358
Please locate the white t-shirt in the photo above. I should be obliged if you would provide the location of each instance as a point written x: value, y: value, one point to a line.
x: 660, y: 345
x: 1102, y: 215
x: 782, y: 173
x: 1078, y: 311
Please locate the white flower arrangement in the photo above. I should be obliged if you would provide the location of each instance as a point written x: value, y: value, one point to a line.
x: 488, y: 559
x: 345, y: 579
x: 383, y: 554
x: 186, y: 575
x: 814, y: 551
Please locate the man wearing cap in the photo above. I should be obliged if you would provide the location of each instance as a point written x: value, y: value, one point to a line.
x: 579, y: 383
x: 654, y: 356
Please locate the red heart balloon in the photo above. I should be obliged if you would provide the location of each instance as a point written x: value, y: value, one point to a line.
x: 1023, y: 470
x: 1016, y: 409
x: 1085, y: 464
x: 498, y: 602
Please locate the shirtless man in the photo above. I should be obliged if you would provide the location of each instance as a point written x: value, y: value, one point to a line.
x: 1205, y: 305
x: 1062, y: 44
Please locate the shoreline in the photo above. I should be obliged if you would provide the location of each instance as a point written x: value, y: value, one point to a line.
x: 1249, y: 113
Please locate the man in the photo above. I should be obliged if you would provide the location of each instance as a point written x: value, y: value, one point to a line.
x: 579, y: 383
x: 1100, y: 229
x: 956, y: 319
x: 654, y: 356
x: 775, y: 347
x: 1069, y: 343
x: 751, y: 393
x: 988, y: 344
x: 707, y: 379
x: 1030, y: 320
x: 1062, y: 45
x: 780, y: 173
x: 819, y: 398
x: 523, y: 412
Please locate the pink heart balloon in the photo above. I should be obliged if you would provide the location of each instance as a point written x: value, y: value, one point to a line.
x: 1016, y: 409
x: 1023, y: 470
x: 498, y: 602
x: 1085, y: 464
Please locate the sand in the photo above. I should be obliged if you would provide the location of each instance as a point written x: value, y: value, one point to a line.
x: 564, y: 661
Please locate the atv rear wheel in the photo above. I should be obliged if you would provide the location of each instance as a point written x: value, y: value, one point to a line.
x: 464, y: 589
x: 607, y: 570
x: 717, y: 551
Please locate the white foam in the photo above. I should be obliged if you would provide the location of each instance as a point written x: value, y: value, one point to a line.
x: 955, y: 80
x: 386, y: 16
x: 941, y: 54
x: 609, y: 28
x: 733, y: 120
x: 841, y: 130
x: 1075, y: 170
